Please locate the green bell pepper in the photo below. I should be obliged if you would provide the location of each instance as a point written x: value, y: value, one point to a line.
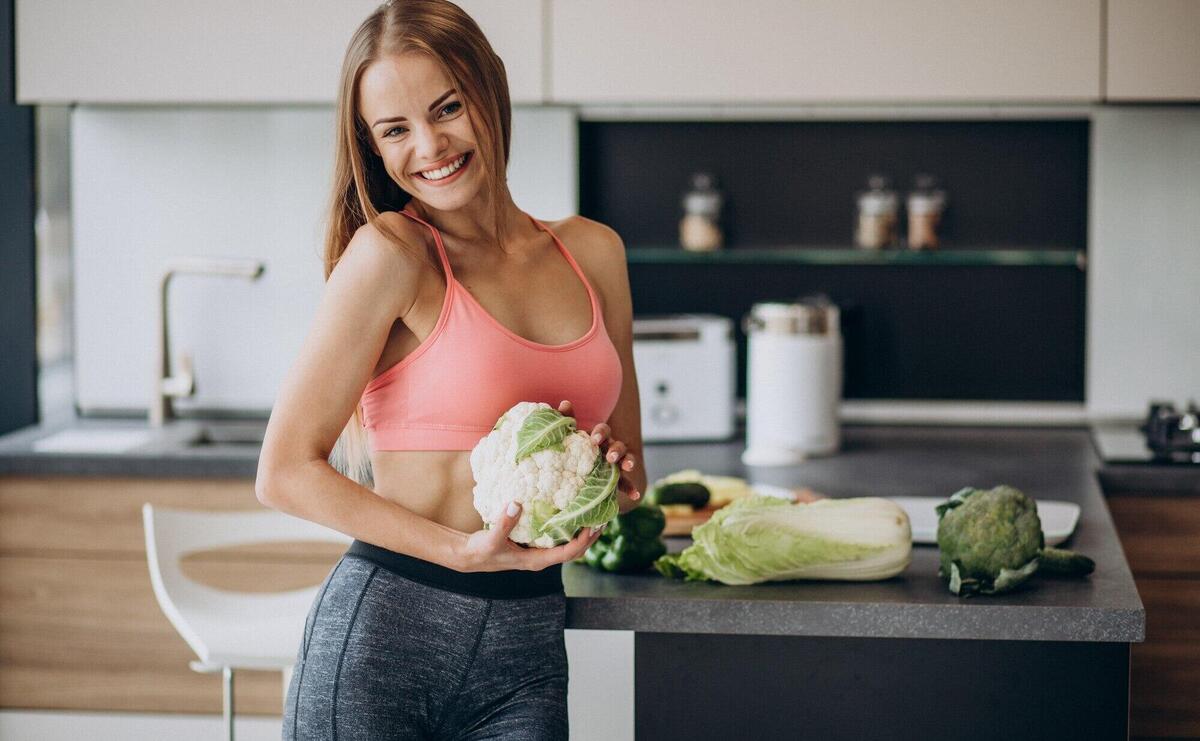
x: 642, y: 523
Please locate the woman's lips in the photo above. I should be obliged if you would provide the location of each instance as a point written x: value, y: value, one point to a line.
x: 453, y: 176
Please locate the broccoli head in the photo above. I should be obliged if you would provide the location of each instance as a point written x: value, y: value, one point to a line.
x: 990, y: 539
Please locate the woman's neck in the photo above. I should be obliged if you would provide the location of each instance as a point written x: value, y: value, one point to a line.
x: 473, y: 226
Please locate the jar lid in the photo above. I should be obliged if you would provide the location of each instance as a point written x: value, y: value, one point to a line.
x: 807, y: 317
x: 875, y: 203
x: 704, y: 203
x: 928, y: 202
x: 703, y: 198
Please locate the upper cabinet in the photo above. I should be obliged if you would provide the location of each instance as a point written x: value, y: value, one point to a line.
x: 632, y: 51
x: 1153, y: 50
x: 863, y: 51
x: 226, y: 51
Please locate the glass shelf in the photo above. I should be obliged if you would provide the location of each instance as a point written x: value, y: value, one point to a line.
x: 1046, y: 257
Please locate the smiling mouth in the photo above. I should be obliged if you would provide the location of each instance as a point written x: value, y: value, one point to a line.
x: 444, y: 172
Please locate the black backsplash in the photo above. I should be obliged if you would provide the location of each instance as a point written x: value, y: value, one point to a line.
x: 911, y: 331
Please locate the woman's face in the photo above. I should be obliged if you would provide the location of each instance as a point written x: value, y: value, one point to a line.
x: 419, y: 126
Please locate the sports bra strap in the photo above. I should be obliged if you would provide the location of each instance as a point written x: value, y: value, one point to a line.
x: 441, y: 248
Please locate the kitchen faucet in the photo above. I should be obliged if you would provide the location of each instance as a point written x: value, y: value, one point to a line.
x: 183, y: 384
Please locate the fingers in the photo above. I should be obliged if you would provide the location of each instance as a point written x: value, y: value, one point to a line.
x: 616, y: 452
x: 600, y: 433
x: 567, y: 408
x: 508, y: 520
x: 630, y: 490
x: 573, y: 548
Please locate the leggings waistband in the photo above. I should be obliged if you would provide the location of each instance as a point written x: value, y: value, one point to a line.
x: 488, y: 584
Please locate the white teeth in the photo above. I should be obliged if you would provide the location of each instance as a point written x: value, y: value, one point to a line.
x: 445, y: 171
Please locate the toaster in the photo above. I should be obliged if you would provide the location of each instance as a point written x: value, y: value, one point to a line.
x: 686, y: 375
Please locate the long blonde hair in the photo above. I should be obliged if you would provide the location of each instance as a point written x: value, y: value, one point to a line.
x: 362, y: 188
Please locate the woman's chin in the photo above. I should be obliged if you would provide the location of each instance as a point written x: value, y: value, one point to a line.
x: 451, y: 199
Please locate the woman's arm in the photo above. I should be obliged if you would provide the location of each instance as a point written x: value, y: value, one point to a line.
x: 625, y: 423
x: 372, y: 286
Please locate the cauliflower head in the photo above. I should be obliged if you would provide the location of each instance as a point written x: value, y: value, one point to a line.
x: 990, y: 539
x: 535, y: 455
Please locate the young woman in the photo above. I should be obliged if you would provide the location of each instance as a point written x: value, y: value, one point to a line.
x: 445, y: 304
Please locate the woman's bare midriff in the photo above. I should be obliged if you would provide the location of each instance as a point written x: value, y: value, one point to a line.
x: 538, y: 296
x: 435, y: 484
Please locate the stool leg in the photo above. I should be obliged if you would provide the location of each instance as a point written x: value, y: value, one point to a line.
x: 227, y: 673
x: 287, y: 680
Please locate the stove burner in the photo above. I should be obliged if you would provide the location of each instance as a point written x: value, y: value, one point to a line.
x: 1173, y: 435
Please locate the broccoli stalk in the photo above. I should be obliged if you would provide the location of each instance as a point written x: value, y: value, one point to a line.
x: 990, y: 541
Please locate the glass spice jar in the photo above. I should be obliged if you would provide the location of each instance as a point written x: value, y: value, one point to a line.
x: 925, y: 206
x: 700, y: 230
x: 877, y: 211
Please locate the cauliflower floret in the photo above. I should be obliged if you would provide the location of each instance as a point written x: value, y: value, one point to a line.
x: 545, y: 481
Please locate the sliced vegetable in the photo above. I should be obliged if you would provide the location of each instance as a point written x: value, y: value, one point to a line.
x: 761, y: 538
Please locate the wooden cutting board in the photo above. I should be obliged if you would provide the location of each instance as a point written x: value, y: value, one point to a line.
x: 680, y: 525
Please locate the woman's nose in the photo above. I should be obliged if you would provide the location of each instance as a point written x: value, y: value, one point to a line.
x: 431, y: 143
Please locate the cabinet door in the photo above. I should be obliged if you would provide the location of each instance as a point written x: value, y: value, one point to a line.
x: 783, y: 51
x: 1153, y: 50
x: 225, y: 51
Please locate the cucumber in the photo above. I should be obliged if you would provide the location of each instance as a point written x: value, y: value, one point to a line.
x: 683, y: 492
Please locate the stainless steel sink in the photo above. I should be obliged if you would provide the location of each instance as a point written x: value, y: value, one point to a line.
x: 101, y: 438
x: 228, y: 433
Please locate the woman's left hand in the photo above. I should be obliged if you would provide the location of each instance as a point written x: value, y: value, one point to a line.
x: 615, y: 453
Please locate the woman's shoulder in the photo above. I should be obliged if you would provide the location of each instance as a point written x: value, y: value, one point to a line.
x: 590, y: 239
x: 599, y: 251
x: 387, y: 258
x: 392, y: 225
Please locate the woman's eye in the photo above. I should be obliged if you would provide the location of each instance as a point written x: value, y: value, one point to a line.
x: 388, y: 134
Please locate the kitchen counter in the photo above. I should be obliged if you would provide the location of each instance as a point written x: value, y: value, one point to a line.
x: 894, y: 461
x: 874, y: 461
x: 817, y: 653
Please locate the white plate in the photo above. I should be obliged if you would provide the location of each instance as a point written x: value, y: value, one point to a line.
x: 1058, y: 518
x: 770, y: 490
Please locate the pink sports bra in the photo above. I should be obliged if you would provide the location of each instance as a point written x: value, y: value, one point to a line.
x: 448, y: 392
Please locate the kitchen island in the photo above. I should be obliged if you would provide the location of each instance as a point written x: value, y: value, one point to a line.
x: 903, y: 658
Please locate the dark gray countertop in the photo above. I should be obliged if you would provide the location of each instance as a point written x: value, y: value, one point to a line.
x: 894, y: 461
x: 1047, y: 463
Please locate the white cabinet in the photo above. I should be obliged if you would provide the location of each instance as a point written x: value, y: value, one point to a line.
x: 810, y: 51
x: 600, y: 684
x: 1153, y: 50
x: 226, y: 51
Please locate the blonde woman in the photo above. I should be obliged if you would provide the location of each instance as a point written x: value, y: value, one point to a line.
x: 444, y: 305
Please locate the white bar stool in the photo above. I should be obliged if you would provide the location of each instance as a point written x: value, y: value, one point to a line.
x: 229, y: 630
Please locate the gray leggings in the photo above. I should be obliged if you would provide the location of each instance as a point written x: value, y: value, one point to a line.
x: 387, y: 657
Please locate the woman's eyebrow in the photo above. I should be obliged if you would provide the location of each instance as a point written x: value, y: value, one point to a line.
x: 394, y: 119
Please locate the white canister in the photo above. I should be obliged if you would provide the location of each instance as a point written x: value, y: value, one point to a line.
x: 793, y: 381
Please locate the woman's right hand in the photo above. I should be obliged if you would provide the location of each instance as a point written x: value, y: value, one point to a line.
x: 491, y: 550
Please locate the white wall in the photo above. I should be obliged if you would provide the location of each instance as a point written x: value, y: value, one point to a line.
x: 1144, y: 274
x: 148, y: 183
x: 153, y: 183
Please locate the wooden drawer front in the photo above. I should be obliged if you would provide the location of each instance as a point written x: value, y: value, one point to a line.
x: 57, y: 514
x: 80, y: 628
x: 89, y: 635
x: 1163, y: 694
x: 1165, y: 670
x: 1161, y: 538
x: 1160, y: 535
